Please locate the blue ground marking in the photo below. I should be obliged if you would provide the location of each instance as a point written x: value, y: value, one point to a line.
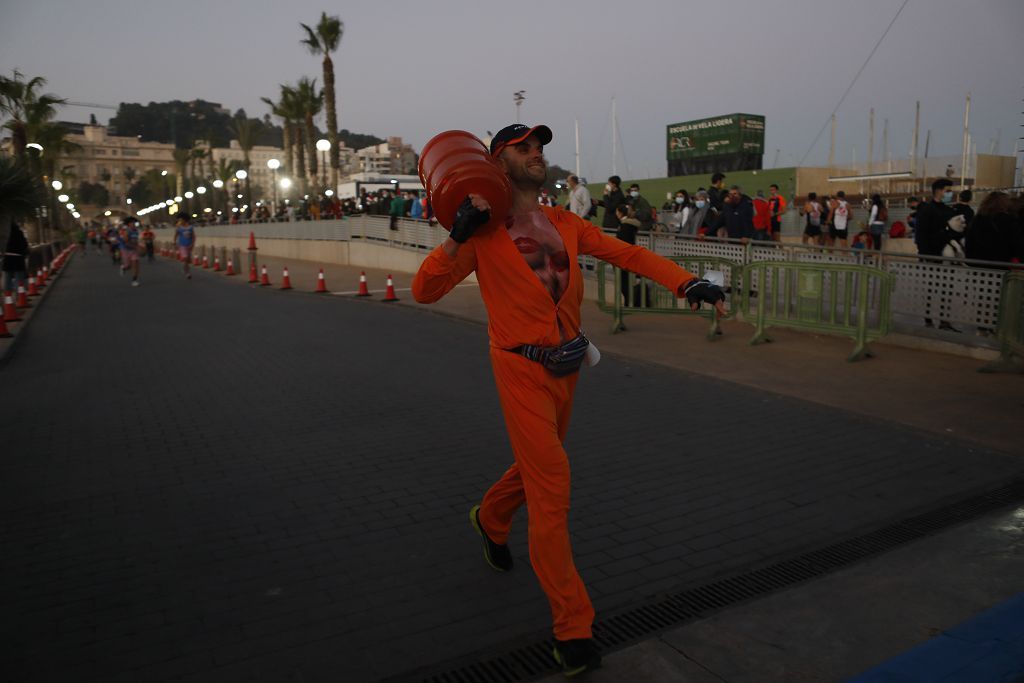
x: 988, y: 648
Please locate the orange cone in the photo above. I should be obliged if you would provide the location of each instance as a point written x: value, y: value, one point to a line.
x: 196, y: 261
x: 321, y: 284
x: 4, y: 332
x: 231, y: 268
x: 206, y: 261
x: 32, y: 289
x: 46, y: 274
x: 40, y: 282
x: 253, y: 277
x: 216, y: 264
x: 252, y: 242
x: 264, y: 278
x: 10, y: 312
x: 286, y: 282
x: 363, y: 290
x: 23, y: 298
x: 390, y: 294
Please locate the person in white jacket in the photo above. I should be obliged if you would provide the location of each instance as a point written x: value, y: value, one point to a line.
x: 579, y: 197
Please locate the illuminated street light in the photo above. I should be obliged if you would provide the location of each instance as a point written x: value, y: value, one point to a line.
x: 76, y: 214
x: 107, y: 212
x: 218, y: 183
x: 189, y: 195
x: 36, y: 146
x: 71, y: 207
x: 201, y: 190
x: 323, y: 144
x: 163, y: 172
x: 57, y: 185
x: 241, y: 174
x: 329, y: 193
x: 63, y: 199
x: 286, y: 183
x: 274, y: 164
x: 177, y: 199
x: 129, y: 201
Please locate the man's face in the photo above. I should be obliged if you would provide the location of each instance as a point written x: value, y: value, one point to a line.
x: 772, y: 191
x: 734, y: 196
x: 525, y: 164
x: 570, y: 183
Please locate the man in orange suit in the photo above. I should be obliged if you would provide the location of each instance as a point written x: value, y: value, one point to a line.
x: 533, y: 290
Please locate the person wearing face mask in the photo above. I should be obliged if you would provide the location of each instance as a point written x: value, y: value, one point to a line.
x: 932, y: 218
x: 641, y: 208
x: 681, y: 210
x: 610, y: 201
x: 700, y: 216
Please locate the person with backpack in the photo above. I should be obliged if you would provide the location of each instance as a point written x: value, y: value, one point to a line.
x: 876, y: 222
x: 842, y: 214
x: 815, y: 213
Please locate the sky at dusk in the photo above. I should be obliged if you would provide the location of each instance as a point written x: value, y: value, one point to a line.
x: 416, y: 68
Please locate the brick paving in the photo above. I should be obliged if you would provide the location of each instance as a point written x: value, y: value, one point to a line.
x: 201, y: 481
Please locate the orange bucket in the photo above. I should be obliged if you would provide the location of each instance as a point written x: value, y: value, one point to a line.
x: 455, y: 164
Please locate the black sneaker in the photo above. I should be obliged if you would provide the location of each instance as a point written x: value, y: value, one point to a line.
x: 576, y: 656
x: 498, y: 556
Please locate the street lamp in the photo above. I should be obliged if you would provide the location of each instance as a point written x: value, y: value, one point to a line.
x: 57, y: 185
x: 518, y: 97
x: 201, y: 190
x: 286, y: 183
x: 218, y: 183
x: 323, y: 144
x: 63, y: 199
x: 273, y: 165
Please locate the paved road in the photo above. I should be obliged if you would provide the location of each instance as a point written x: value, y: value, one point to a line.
x: 203, y: 481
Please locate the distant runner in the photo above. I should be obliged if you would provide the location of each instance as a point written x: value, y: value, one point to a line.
x: 185, y: 239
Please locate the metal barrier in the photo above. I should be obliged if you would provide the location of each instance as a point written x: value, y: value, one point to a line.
x: 650, y: 297
x: 1011, y: 326
x: 831, y: 298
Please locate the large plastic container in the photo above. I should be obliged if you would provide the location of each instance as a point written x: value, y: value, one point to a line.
x: 455, y: 164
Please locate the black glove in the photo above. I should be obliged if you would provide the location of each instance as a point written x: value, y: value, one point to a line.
x: 467, y: 219
x: 699, y: 290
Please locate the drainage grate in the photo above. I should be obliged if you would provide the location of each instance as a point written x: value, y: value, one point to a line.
x: 517, y: 662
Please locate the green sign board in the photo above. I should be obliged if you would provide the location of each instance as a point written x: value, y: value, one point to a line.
x: 719, y: 135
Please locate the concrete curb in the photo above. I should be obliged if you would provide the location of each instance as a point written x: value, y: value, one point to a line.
x: 20, y: 328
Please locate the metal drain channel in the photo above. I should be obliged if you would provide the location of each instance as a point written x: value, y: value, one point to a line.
x: 523, y: 662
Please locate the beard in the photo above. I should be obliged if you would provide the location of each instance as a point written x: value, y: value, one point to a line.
x: 530, y: 177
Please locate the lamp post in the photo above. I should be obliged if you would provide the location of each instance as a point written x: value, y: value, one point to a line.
x: 323, y: 144
x: 241, y: 174
x: 518, y: 96
x: 273, y: 165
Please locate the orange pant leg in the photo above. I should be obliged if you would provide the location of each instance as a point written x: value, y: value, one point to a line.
x: 536, y: 407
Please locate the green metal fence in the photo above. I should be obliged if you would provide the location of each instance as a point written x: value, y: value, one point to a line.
x: 1010, y: 329
x: 649, y: 297
x: 831, y: 298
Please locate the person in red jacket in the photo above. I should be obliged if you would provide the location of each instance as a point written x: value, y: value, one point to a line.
x: 777, y: 204
x: 762, y: 217
x: 533, y: 289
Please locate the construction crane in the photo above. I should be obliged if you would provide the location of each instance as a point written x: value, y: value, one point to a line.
x: 89, y: 105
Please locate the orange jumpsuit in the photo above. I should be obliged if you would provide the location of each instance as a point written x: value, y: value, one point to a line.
x: 536, y: 405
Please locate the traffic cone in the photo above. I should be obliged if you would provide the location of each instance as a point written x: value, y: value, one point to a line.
x: 23, y: 298
x: 264, y: 278
x: 253, y: 277
x: 231, y: 268
x: 4, y: 332
x: 390, y: 294
x: 286, y: 282
x: 32, y: 289
x: 216, y: 264
x: 252, y: 242
x: 46, y: 274
x: 196, y: 261
x: 40, y: 282
x: 10, y: 312
x: 206, y: 261
x: 363, y: 290
x: 321, y: 284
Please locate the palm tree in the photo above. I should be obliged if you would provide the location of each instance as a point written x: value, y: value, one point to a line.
x: 323, y: 41
x: 225, y: 173
x: 20, y: 192
x: 181, y: 159
x: 309, y: 100
x: 20, y: 101
x: 280, y: 110
x: 245, y: 132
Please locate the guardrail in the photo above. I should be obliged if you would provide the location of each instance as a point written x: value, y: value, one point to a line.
x: 964, y: 292
x: 830, y: 298
x: 649, y: 297
x: 1011, y: 326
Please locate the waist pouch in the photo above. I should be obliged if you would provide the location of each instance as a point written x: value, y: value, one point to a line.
x: 560, y: 361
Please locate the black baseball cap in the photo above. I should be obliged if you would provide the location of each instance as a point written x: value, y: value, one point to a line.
x: 516, y: 133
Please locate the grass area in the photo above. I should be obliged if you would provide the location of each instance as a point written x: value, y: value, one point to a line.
x: 654, y: 189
